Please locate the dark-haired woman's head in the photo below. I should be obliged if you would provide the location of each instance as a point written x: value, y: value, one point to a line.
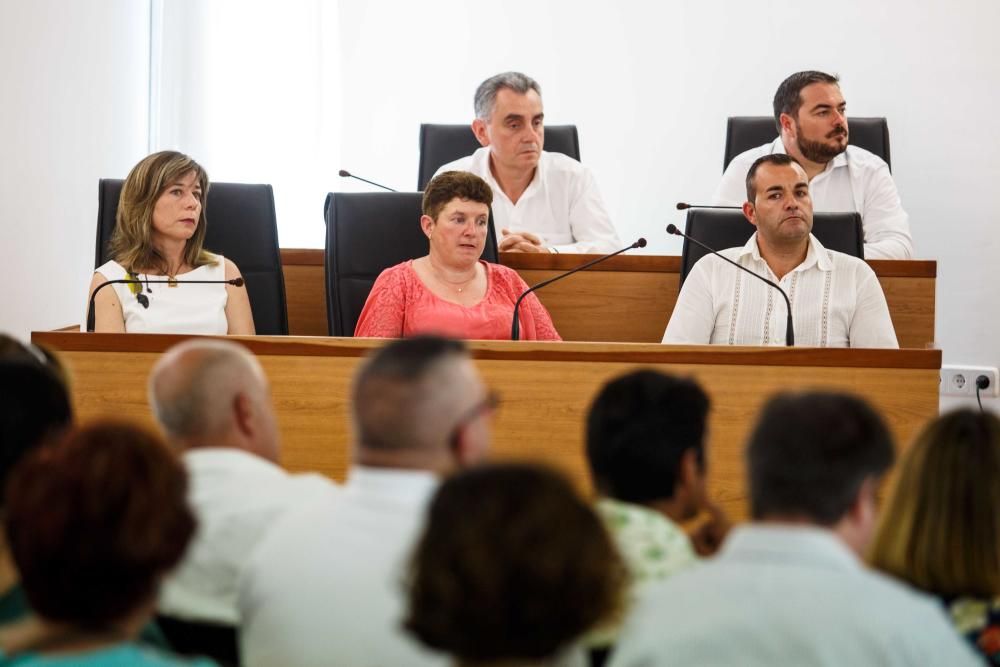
x: 512, y: 564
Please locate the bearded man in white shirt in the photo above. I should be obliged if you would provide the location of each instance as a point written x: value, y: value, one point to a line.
x: 542, y: 202
x: 213, y: 402
x: 810, y: 115
x: 836, y: 299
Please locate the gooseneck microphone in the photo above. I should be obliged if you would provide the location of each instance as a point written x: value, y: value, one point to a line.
x: 789, y: 331
x: 515, y: 325
x: 142, y: 298
x: 683, y: 206
x: 346, y: 174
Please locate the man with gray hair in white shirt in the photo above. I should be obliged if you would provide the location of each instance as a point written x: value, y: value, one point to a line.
x: 836, y: 299
x: 542, y: 202
x: 810, y: 116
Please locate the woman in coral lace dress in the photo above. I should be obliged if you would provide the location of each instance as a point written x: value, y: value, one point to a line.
x: 450, y: 291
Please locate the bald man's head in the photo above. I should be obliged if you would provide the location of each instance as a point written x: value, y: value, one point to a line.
x: 416, y: 399
x: 214, y: 393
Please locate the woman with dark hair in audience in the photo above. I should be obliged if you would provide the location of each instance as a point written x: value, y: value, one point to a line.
x: 941, y: 529
x: 94, y: 522
x: 159, y: 230
x: 513, y: 568
x: 450, y: 291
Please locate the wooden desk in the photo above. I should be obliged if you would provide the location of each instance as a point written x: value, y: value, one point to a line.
x: 627, y: 299
x: 546, y: 390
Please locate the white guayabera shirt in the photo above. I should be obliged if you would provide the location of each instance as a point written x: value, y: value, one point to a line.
x: 836, y: 300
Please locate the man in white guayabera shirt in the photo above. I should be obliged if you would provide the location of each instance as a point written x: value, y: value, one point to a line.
x: 811, y: 117
x: 836, y: 299
x: 542, y: 201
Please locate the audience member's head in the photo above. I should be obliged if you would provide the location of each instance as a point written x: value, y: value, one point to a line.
x: 645, y: 440
x: 940, y: 530
x: 419, y: 402
x: 512, y: 565
x: 94, y: 521
x: 211, y: 393
x: 35, y: 409
x: 816, y: 458
x: 11, y: 348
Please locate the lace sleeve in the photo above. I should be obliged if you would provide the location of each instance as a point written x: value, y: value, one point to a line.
x: 539, y: 323
x: 384, y: 311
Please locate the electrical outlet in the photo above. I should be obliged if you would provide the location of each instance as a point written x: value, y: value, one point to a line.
x: 961, y: 380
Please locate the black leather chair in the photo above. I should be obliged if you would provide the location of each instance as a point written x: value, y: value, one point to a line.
x: 366, y: 233
x: 730, y: 229
x: 746, y: 132
x: 440, y: 144
x: 241, y: 226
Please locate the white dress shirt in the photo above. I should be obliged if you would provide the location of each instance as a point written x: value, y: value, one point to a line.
x: 856, y: 180
x: 836, y: 299
x: 237, y: 497
x: 326, y: 586
x: 181, y: 309
x: 784, y: 595
x: 562, y: 204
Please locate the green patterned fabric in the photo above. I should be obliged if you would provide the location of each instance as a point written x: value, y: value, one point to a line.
x: 653, y: 546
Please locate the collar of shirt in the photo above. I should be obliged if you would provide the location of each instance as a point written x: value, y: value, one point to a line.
x: 789, y: 543
x: 817, y: 255
x: 481, y: 164
x: 229, y: 459
x: 396, y: 483
x: 778, y: 146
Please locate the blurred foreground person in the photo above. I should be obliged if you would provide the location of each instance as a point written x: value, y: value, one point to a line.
x: 512, y: 568
x: 789, y: 588
x: 940, y: 530
x: 94, y: 522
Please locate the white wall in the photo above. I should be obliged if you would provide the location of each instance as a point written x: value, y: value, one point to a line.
x: 73, y: 108
x: 648, y: 84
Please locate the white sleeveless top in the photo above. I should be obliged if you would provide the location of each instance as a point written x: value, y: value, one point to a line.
x: 182, y: 309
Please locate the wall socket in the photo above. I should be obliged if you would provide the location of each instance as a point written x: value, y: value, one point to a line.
x: 961, y: 380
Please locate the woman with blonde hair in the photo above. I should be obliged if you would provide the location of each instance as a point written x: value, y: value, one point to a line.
x: 940, y: 531
x: 159, y: 231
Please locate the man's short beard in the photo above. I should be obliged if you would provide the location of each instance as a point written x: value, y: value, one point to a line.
x: 816, y: 151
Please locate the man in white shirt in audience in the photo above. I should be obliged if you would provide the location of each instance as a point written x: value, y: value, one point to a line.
x: 542, y: 202
x: 326, y: 586
x: 790, y: 588
x: 836, y: 299
x: 213, y: 402
x: 809, y: 111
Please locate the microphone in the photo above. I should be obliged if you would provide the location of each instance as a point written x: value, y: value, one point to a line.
x: 683, y: 206
x: 346, y: 174
x: 789, y: 331
x: 142, y: 298
x: 515, y: 325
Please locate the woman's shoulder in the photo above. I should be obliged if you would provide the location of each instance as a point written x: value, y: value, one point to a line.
x: 111, y: 270
x: 402, y: 273
x: 504, y: 277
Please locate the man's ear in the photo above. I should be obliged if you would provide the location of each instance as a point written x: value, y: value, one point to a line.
x: 787, y: 123
x: 479, y: 129
x: 750, y: 213
x: 243, y: 414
